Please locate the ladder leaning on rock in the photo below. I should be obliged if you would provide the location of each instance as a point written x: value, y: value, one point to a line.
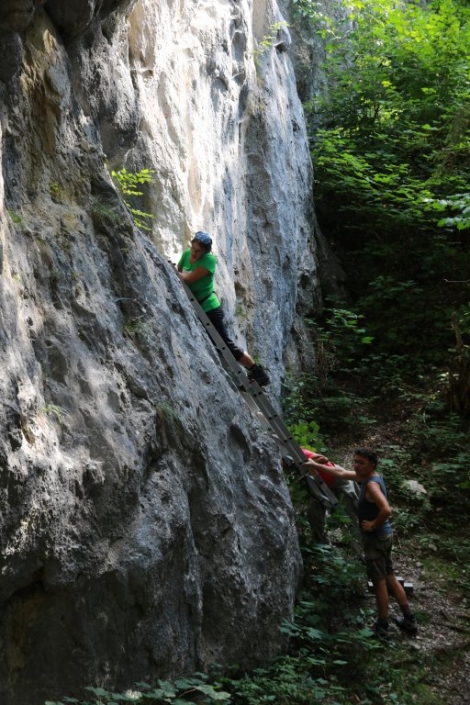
x: 262, y: 408
x: 272, y: 422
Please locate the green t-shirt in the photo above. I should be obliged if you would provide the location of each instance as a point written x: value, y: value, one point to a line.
x: 203, y: 289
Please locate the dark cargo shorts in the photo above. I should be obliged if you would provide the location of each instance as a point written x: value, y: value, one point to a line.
x: 378, y: 555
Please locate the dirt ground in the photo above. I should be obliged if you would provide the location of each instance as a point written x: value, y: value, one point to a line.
x: 444, y: 629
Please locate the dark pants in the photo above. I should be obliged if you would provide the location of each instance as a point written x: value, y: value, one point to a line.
x: 216, y: 317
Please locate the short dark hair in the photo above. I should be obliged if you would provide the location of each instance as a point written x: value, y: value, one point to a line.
x: 367, y: 453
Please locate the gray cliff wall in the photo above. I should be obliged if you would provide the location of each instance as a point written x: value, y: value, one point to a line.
x: 144, y: 523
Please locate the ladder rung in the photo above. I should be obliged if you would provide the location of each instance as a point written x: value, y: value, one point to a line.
x: 259, y: 403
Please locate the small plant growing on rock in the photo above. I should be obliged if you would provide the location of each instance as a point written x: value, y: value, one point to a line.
x: 267, y: 42
x: 54, y: 410
x: 16, y: 217
x: 128, y: 184
x: 136, y: 328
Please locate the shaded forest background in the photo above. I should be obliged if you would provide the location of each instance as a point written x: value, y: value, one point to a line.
x: 390, y: 146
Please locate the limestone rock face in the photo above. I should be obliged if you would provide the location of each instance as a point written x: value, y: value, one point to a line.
x: 145, y: 527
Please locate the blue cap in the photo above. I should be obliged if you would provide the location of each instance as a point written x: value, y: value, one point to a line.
x: 203, y: 238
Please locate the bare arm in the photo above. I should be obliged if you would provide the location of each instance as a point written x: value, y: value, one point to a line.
x: 335, y: 470
x: 194, y: 276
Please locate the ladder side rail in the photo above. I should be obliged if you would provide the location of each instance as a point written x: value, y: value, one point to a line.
x: 315, y: 483
x: 290, y: 450
x: 318, y: 487
x: 277, y: 424
x: 258, y: 413
x: 220, y: 345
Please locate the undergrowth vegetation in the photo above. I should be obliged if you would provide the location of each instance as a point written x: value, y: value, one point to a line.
x: 391, y: 154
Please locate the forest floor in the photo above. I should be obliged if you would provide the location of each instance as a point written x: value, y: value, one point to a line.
x: 444, y: 629
x: 443, y: 611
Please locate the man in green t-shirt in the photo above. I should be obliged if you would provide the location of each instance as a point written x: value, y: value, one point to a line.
x: 197, y: 268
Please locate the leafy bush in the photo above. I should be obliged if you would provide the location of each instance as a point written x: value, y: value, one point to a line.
x: 391, y: 143
x: 129, y: 184
x: 179, y: 692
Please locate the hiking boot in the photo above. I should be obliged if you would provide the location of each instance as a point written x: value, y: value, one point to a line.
x: 380, y: 631
x: 257, y: 374
x: 407, y: 624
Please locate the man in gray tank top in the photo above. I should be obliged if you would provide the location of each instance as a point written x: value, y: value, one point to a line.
x: 374, y: 522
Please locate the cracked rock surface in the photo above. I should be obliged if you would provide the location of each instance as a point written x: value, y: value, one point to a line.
x: 145, y: 526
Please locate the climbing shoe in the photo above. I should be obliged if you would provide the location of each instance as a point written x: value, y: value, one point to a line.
x: 257, y: 374
x: 407, y: 624
x: 380, y: 631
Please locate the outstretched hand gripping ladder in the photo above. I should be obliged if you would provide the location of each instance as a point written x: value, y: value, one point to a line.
x: 264, y: 410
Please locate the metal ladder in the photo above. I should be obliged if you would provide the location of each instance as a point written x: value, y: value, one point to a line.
x: 264, y: 410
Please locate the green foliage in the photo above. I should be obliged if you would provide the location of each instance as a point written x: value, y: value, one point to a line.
x: 54, y: 410
x: 324, y: 411
x: 460, y: 202
x: 340, y: 340
x: 391, y: 136
x: 317, y: 404
x: 333, y: 658
x: 443, y: 440
x: 447, y: 561
x: 16, y: 217
x: 137, y: 329
x: 267, y: 42
x: 129, y: 184
x: 179, y: 692
x: 55, y: 191
x: 307, y: 435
